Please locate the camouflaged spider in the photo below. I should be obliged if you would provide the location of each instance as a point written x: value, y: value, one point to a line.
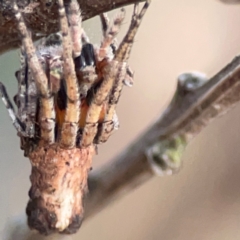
x: 67, y: 95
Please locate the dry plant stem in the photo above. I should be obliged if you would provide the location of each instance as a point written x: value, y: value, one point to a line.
x: 41, y: 17
x: 186, y: 118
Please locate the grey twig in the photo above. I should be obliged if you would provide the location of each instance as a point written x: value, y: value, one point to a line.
x: 159, y: 149
x: 41, y: 17
x: 230, y: 1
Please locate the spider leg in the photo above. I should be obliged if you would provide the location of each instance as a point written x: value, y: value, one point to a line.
x: 47, y: 120
x: 85, y: 69
x: 97, y: 103
x: 24, y: 121
x: 72, y: 115
x: 21, y: 75
x: 105, y: 23
x: 109, y: 32
x: 26, y: 98
x: 123, y: 52
x: 75, y: 20
x: 101, y: 96
x: 8, y: 104
x: 121, y: 56
x: 110, y: 122
x: 85, y: 66
x: 128, y: 81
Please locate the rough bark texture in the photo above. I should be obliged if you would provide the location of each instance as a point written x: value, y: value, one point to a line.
x: 59, y: 184
x: 41, y: 17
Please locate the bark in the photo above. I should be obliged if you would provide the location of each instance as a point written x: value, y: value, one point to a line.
x: 158, y: 151
x: 41, y: 17
x: 58, y: 185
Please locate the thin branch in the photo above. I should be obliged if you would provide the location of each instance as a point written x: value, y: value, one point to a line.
x: 41, y: 17
x: 188, y: 114
x: 191, y: 109
x: 230, y: 1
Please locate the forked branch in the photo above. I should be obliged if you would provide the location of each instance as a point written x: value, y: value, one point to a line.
x: 158, y: 151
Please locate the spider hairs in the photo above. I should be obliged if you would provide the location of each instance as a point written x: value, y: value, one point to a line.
x: 68, y: 91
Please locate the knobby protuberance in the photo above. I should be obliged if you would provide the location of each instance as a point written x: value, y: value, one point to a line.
x: 59, y: 183
x: 68, y: 90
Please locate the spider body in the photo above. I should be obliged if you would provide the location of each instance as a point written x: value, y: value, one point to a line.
x: 67, y: 96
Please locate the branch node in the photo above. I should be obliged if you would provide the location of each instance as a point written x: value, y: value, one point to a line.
x: 188, y: 82
x: 164, y: 157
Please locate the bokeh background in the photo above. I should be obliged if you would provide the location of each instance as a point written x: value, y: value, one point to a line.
x: 202, y: 201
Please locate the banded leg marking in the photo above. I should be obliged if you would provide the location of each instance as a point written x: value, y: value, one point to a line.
x: 124, y: 75
x: 72, y: 115
x: 47, y: 120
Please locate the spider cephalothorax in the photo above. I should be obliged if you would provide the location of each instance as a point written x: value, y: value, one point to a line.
x: 67, y: 95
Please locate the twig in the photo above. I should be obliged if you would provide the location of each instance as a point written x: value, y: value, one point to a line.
x: 41, y: 17
x: 159, y: 149
x: 230, y: 1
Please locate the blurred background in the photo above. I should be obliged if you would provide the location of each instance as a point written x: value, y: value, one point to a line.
x: 202, y: 201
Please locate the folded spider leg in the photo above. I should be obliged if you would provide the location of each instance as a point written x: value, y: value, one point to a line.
x: 121, y: 56
x: 20, y: 127
x: 128, y: 81
x: 47, y: 119
x: 100, y: 97
x: 85, y: 66
x: 86, y: 69
x: 75, y: 21
x: 27, y: 96
x: 124, y: 50
x: 110, y: 32
x: 104, y: 23
x: 72, y: 115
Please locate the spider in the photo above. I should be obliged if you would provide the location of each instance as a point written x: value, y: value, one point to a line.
x: 68, y: 90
